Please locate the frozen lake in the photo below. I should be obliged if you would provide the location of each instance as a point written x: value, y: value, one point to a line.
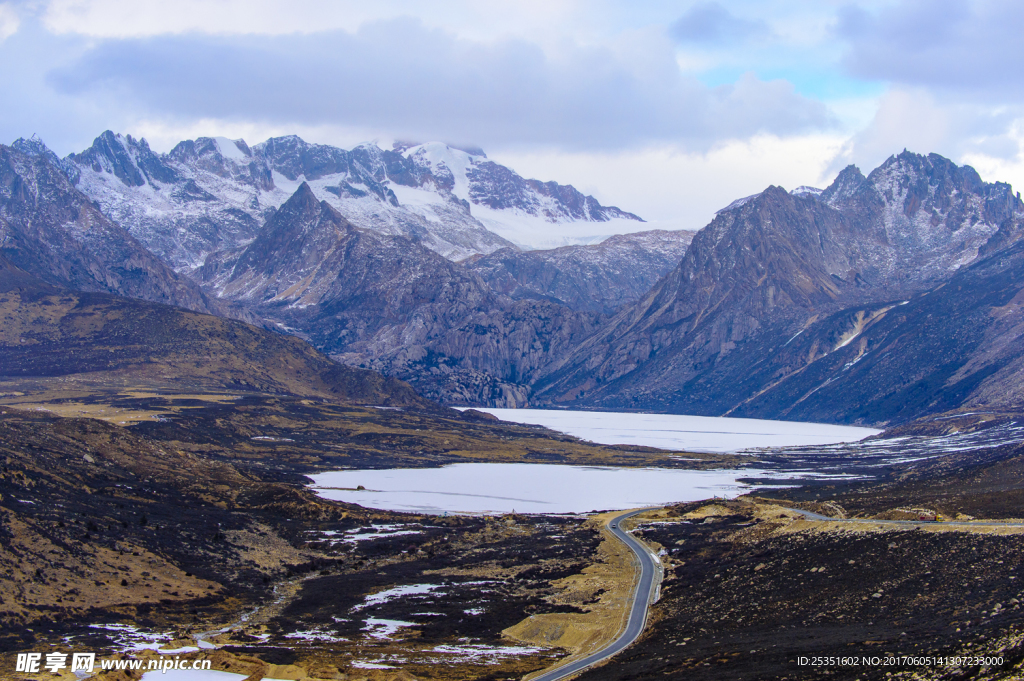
x: 693, y: 433
x: 525, y: 488
x: 544, y: 488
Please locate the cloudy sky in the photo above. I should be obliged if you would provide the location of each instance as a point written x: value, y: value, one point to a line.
x: 667, y: 109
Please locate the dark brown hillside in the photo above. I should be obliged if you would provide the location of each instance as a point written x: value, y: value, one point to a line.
x: 50, y: 332
x: 97, y: 518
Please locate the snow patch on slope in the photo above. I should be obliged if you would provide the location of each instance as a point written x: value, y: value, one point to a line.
x: 229, y: 149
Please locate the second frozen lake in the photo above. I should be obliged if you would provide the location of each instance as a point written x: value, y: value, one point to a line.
x: 693, y: 433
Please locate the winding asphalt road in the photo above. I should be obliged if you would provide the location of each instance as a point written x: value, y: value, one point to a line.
x: 649, y: 573
x: 650, y: 569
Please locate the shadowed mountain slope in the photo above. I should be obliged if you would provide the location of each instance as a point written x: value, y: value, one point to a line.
x: 390, y: 304
x: 777, y: 282
x: 593, y: 278
x: 48, y: 332
x: 49, y: 228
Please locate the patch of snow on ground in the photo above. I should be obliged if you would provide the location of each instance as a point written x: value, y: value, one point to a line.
x: 403, y: 591
x: 532, y: 232
x: 196, y: 675
x: 228, y: 149
x: 315, y: 635
x: 191, y: 675
x: 359, y: 534
x: 127, y: 637
x: 384, y: 629
x: 477, y: 651
x: 456, y: 160
x: 371, y: 665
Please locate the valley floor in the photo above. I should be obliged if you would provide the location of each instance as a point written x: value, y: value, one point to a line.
x: 189, y: 528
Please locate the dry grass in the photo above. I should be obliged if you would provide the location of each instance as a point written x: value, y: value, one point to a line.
x: 612, y: 579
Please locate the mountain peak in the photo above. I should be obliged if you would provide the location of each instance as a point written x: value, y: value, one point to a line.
x: 33, y: 146
x: 846, y: 183
x: 302, y: 200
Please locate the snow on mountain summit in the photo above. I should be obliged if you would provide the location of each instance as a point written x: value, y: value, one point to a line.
x: 232, y: 149
x: 212, y: 193
x: 529, y: 213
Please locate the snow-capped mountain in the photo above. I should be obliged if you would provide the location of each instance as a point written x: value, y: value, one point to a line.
x: 923, y: 217
x: 211, y: 194
x: 529, y: 213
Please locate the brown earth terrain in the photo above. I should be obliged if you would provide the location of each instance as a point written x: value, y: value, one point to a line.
x: 106, y: 531
x: 751, y: 588
x: 180, y: 524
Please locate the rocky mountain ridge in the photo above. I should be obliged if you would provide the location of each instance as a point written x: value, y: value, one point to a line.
x: 387, y: 303
x: 594, y: 278
x: 212, y: 194
x: 748, y: 318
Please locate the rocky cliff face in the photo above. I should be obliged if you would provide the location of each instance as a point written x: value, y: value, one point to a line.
x: 923, y: 216
x: 50, y: 229
x: 594, y: 278
x: 956, y: 345
x: 766, y: 261
x: 709, y: 338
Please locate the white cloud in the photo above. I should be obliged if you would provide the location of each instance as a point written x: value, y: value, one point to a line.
x: 147, y: 18
x: 922, y: 121
x: 1001, y: 169
x: 140, y: 18
x: 594, y: 93
x: 972, y: 48
x: 673, y: 189
x: 9, y: 21
x: 712, y: 23
x: 414, y: 81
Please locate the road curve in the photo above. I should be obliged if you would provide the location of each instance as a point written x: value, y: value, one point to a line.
x: 650, y: 573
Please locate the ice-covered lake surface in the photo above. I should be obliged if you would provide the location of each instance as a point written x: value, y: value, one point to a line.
x: 693, y: 433
x: 547, y: 488
x: 526, y: 488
